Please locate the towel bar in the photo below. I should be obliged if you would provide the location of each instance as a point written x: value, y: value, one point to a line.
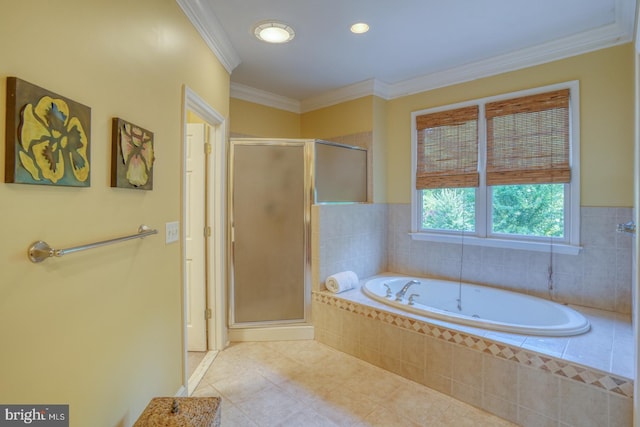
x: 39, y: 251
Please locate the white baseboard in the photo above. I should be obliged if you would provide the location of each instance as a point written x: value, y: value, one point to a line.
x: 199, y: 372
x: 276, y: 333
x: 182, y: 392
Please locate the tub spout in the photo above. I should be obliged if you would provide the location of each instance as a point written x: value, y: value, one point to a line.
x: 405, y: 288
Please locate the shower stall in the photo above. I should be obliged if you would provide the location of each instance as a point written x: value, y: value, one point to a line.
x: 273, y: 183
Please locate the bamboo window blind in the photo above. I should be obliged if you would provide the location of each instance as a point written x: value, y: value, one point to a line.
x: 447, y: 149
x: 528, y: 139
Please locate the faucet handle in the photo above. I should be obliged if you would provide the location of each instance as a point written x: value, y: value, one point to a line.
x: 388, y: 290
x: 411, y: 297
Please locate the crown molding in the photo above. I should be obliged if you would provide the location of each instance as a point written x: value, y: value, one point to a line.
x: 614, y: 34
x: 206, y: 23
x: 623, y: 30
x: 251, y: 94
x: 600, y: 38
x: 347, y: 93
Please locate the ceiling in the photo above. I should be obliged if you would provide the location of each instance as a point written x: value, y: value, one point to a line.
x: 413, y: 45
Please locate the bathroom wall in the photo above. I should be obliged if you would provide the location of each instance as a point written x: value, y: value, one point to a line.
x: 346, y: 118
x: 379, y: 150
x: 360, y: 122
x: 599, y: 276
x: 606, y: 121
x: 364, y: 140
x: 100, y: 330
x: 348, y: 237
x: 351, y: 237
x: 513, y: 383
x: 370, y: 239
x: 251, y: 120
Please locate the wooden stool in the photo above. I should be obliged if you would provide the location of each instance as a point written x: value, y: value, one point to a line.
x: 181, y: 412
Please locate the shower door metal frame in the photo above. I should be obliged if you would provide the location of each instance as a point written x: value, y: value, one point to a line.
x: 307, y: 145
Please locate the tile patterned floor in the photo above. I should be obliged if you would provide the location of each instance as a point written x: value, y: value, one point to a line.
x: 305, y: 383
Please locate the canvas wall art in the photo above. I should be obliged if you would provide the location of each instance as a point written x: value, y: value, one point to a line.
x: 47, y: 137
x: 132, y: 156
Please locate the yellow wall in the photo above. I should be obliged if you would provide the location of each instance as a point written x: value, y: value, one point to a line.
x: 254, y: 120
x: 251, y: 119
x: 379, y: 143
x: 257, y: 120
x: 100, y: 330
x: 606, y: 121
x: 342, y: 119
x: 362, y: 115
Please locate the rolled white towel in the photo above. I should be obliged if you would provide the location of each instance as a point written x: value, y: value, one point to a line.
x: 342, y: 281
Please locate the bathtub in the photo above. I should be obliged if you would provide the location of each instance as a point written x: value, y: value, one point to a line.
x: 481, y: 306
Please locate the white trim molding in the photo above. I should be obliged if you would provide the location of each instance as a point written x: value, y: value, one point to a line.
x: 623, y: 30
x: 257, y: 96
x: 589, y: 41
x: 348, y: 93
x: 344, y: 94
x: 620, y: 32
x: 206, y: 23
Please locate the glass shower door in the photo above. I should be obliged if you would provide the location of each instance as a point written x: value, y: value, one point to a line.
x: 269, y: 232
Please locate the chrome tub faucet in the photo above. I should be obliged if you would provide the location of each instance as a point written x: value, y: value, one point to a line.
x: 405, y: 288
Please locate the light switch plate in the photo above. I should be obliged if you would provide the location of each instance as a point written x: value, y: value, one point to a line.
x: 172, y: 231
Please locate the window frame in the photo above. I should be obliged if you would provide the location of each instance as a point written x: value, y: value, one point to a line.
x: 482, y: 236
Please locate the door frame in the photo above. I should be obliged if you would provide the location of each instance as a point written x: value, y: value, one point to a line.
x: 215, y: 218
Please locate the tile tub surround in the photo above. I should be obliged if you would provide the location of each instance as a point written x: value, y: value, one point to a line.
x: 508, y: 380
x: 372, y: 238
x: 598, y: 277
x: 343, y: 236
x: 348, y: 237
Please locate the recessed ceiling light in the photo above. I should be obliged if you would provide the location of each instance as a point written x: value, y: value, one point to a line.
x: 359, y: 28
x: 273, y: 32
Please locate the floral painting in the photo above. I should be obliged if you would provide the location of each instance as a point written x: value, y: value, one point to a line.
x: 132, y: 156
x: 47, y: 137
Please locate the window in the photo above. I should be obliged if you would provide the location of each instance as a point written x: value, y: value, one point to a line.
x: 499, y: 171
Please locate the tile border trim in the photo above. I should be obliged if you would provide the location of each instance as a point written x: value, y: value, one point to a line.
x: 588, y: 376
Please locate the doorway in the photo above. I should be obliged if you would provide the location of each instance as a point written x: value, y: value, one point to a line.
x: 195, y: 235
x: 203, y: 237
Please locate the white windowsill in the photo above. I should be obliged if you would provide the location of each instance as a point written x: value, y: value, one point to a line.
x: 559, y: 248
